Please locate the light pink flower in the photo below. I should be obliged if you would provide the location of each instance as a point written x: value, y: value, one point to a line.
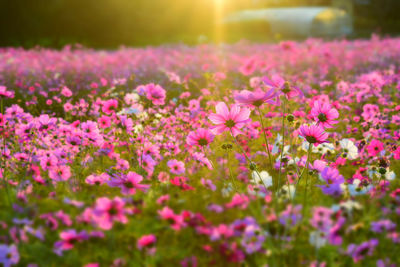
x: 60, y: 173
x: 229, y: 120
x: 155, y: 93
x: 256, y: 98
x: 107, y: 211
x: 129, y: 183
x: 176, y: 166
x: 200, y: 137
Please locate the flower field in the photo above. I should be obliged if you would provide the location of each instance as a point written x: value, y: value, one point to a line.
x: 234, y: 155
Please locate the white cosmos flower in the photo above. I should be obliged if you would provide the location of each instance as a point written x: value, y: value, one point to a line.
x: 226, y: 191
x: 143, y: 115
x: 263, y: 179
x: 348, y: 205
x: 138, y: 128
x: 285, y: 190
x: 131, y: 98
x: 324, y: 148
x: 390, y: 175
x: 321, y: 148
x: 349, y: 148
x: 317, y: 239
x: 355, y: 189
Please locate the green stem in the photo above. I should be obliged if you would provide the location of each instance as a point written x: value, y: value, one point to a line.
x: 283, y: 144
x: 261, y: 115
x: 3, y: 168
x: 305, y: 167
x: 230, y: 174
x: 247, y: 158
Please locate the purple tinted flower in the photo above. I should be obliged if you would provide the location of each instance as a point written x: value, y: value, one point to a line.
x: 8, y: 255
x: 336, y: 231
x: 291, y: 215
x: 359, y: 252
x: 333, y: 181
x: 383, y: 225
x: 253, y: 239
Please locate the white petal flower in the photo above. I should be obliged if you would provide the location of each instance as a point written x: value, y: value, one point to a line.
x: 263, y: 179
x: 317, y: 239
x: 286, y: 191
x: 349, y: 148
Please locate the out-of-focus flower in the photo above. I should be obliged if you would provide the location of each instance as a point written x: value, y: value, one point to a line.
x: 8, y: 255
x: 350, y: 151
x: 200, y: 137
x: 256, y: 98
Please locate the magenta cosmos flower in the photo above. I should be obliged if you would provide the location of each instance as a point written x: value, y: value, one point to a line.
x: 283, y: 87
x: 69, y: 238
x: 155, y: 93
x: 313, y: 134
x: 129, y: 183
x: 60, y: 173
x: 200, y: 137
x: 146, y: 241
x: 324, y: 114
x: 229, y: 120
x: 109, y: 106
x: 256, y: 98
x: 375, y: 147
x: 5, y: 93
x: 109, y: 210
x: 176, y: 166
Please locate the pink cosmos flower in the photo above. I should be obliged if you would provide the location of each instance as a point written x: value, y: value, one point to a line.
x: 229, y: 120
x: 60, y: 173
x: 375, y: 147
x: 200, y: 137
x: 97, y: 179
x: 313, y: 134
x: 239, y: 200
x: 110, y: 106
x: 66, y: 92
x: 175, y: 220
x: 146, y: 241
x: 176, y: 166
x: 248, y: 67
x: 5, y: 93
x: 69, y: 238
x: 129, y: 183
x: 147, y: 163
x: 155, y: 93
x: 283, y: 87
x: 104, y: 122
x: 256, y: 98
x: 107, y: 211
x: 324, y: 114
x: 396, y: 153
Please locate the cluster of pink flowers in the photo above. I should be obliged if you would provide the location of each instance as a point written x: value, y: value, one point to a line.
x: 188, y: 156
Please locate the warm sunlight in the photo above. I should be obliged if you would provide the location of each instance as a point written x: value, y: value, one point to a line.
x: 219, y: 8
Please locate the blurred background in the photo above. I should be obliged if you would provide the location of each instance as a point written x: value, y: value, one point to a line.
x: 112, y: 23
